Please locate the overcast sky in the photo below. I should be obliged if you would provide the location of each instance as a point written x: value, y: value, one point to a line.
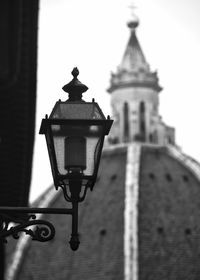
x: 92, y: 35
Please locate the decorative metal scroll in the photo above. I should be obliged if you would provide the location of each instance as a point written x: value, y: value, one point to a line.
x: 39, y: 230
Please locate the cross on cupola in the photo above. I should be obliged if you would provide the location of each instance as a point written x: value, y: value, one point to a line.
x: 134, y: 21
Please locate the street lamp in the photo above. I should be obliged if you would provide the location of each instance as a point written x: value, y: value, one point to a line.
x: 74, y: 132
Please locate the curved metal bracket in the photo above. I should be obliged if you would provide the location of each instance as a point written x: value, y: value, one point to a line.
x: 42, y: 233
x: 13, y: 221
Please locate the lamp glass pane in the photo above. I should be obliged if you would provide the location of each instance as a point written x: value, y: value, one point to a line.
x: 75, y: 153
x: 80, y: 110
x: 77, y: 147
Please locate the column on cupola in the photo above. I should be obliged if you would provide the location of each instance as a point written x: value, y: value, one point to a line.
x: 134, y: 95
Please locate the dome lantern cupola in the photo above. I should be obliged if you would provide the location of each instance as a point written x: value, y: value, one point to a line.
x: 134, y: 90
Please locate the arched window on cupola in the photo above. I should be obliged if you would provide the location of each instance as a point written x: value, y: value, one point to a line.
x: 151, y: 138
x: 155, y: 136
x: 126, y: 122
x: 142, y: 122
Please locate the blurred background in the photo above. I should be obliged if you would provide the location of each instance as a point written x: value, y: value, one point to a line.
x: 92, y: 35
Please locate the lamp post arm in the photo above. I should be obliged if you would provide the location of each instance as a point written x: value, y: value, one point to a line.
x: 39, y: 230
x: 23, y: 210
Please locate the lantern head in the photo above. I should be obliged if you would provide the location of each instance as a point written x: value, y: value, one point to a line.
x: 75, y: 134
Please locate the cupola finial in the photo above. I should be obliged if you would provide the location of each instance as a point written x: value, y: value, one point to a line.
x: 134, y: 20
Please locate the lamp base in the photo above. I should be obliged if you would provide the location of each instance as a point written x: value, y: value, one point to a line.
x: 74, y: 242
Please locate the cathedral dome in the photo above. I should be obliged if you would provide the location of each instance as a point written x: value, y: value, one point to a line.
x: 141, y: 219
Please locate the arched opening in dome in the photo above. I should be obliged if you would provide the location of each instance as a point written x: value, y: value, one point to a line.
x: 142, y: 124
x: 126, y: 122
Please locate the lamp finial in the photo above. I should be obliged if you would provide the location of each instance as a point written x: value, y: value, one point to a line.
x: 75, y: 72
x: 75, y: 88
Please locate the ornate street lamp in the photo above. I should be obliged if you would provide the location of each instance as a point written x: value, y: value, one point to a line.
x: 74, y: 134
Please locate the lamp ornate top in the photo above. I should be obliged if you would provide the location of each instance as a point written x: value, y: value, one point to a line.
x: 75, y: 88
